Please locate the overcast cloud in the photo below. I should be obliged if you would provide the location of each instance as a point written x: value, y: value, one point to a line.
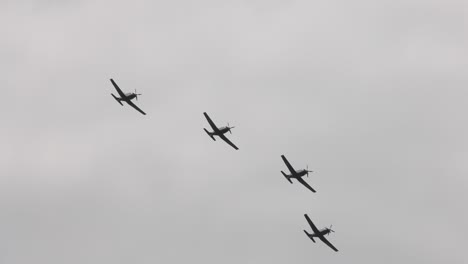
x: 372, y: 95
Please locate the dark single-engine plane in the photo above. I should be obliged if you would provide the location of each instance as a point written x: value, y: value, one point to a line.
x: 219, y: 131
x: 296, y: 174
x: 126, y: 97
x: 320, y: 234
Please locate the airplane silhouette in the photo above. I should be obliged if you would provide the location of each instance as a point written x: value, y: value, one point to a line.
x: 219, y: 131
x: 296, y: 174
x: 126, y: 97
x: 320, y: 234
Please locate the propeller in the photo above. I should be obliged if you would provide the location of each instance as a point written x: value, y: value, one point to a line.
x: 330, y: 229
x: 307, y: 170
x: 229, y: 128
x: 136, y: 95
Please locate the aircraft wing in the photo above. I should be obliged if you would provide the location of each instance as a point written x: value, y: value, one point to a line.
x: 324, y: 240
x: 299, y: 179
x: 134, y: 106
x: 213, y: 126
x: 290, y: 168
x: 314, y: 228
x: 121, y: 94
x: 223, y: 137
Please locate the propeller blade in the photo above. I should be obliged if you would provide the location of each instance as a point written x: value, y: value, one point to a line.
x: 229, y: 127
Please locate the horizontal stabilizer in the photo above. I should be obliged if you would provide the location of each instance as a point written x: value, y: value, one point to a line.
x: 117, y: 99
x: 309, y: 236
x: 209, y: 134
x: 286, y: 176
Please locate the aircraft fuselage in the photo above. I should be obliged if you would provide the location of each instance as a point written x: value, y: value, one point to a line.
x: 298, y: 174
x: 129, y: 96
x: 321, y: 233
x: 222, y: 131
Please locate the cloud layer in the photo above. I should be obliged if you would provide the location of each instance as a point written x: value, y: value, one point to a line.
x: 371, y: 95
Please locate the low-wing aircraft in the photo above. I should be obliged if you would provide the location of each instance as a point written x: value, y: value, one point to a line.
x: 320, y: 234
x: 219, y: 131
x: 296, y: 174
x: 126, y: 97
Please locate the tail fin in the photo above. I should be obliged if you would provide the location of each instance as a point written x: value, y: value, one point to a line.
x: 309, y: 236
x: 117, y: 99
x: 286, y: 176
x: 209, y: 134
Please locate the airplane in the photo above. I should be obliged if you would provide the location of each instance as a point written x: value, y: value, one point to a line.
x: 296, y: 174
x: 126, y: 97
x: 219, y: 131
x: 319, y: 233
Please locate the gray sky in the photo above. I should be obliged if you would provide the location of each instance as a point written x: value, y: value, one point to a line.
x: 372, y: 95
